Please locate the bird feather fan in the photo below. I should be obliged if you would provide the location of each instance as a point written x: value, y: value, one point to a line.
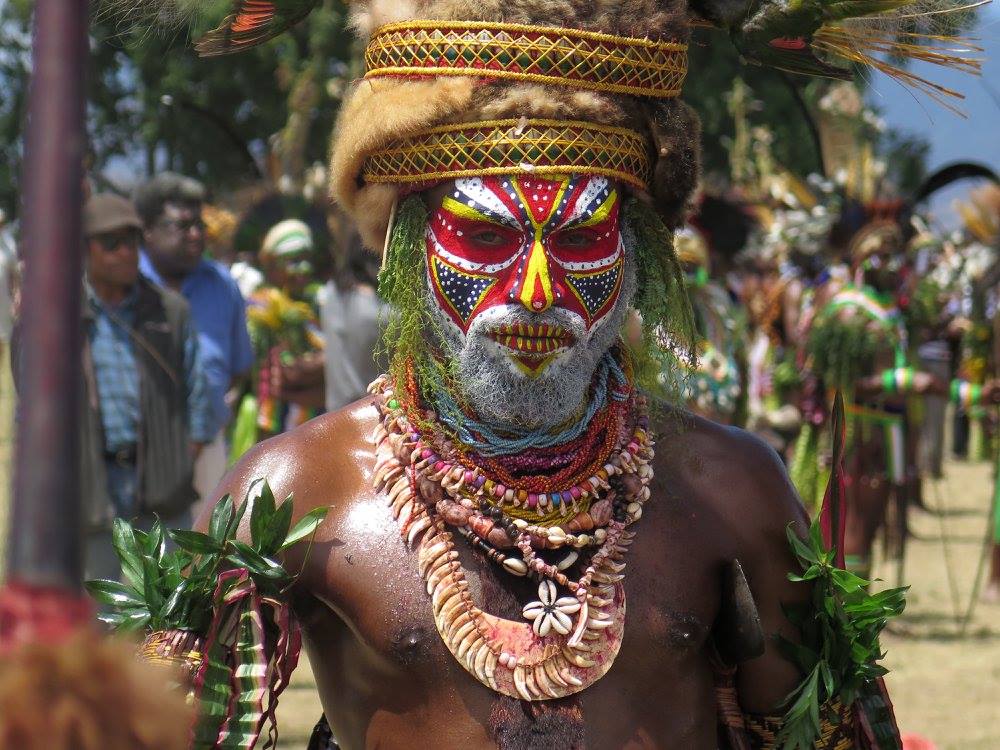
x: 826, y: 37
x: 221, y: 26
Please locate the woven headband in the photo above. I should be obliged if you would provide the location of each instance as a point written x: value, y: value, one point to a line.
x: 541, y: 54
x: 503, y: 147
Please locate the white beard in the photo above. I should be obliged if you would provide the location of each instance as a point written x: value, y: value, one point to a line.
x: 501, y: 393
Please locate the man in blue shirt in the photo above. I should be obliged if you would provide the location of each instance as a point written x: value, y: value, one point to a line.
x: 174, y: 234
x: 147, y: 412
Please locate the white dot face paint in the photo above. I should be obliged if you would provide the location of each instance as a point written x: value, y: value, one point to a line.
x: 530, y: 281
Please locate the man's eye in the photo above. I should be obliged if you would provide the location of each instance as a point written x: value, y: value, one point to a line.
x: 578, y: 238
x: 488, y: 238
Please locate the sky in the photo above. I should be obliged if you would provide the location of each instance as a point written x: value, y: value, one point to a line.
x: 952, y: 138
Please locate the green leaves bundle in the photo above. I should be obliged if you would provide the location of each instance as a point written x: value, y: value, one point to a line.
x: 840, y: 627
x: 164, y: 590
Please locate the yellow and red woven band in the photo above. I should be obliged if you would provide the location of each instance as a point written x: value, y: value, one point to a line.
x: 836, y: 728
x: 541, y: 54
x: 505, y: 147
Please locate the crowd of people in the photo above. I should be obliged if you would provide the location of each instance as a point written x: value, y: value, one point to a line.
x: 799, y: 288
x: 810, y: 286
x: 191, y: 356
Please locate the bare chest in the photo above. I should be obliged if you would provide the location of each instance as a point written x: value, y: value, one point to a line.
x: 376, y: 631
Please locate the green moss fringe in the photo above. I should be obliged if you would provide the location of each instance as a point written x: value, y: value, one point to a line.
x: 667, y: 352
x: 661, y: 299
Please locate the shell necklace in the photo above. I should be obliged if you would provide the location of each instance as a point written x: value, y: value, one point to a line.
x: 565, y: 643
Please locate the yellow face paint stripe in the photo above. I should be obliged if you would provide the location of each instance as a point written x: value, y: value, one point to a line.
x: 465, y: 211
x: 540, y: 225
x: 538, y: 262
x: 601, y: 214
x: 537, y: 270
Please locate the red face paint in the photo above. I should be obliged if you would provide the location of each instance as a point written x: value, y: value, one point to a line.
x: 528, y: 242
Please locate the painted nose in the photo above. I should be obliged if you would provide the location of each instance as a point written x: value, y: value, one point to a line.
x: 536, y: 291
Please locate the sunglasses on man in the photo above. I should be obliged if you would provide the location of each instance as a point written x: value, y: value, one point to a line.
x: 112, y: 242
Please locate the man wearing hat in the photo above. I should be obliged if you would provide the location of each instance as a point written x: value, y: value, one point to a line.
x: 146, y: 407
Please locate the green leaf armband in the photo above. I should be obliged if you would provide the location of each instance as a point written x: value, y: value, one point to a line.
x: 889, y: 381
x: 839, y: 649
x: 898, y: 380
x: 966, y: 394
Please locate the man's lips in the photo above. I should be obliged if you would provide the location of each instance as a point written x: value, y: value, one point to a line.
x: 526, y: 338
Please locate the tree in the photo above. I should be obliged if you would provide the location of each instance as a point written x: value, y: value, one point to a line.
x: 155, y: 104
x: 785, y: 105
x: 270, y: 110
x: 15, y: 65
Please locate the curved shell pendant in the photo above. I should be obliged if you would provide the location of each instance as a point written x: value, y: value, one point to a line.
x: 506, y: 656
x: 510, y: 657
x: 546, y: 668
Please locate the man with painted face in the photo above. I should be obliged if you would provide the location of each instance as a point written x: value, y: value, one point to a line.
x: 526, y: 545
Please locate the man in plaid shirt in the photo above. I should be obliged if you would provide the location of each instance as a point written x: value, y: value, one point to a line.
x: 144, y: 382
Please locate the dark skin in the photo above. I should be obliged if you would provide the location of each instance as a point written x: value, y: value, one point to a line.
x: 112, y: 262
x: 386, y: 679
x: 175, y: 241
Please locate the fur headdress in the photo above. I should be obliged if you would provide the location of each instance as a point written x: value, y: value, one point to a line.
x: 387, y: 109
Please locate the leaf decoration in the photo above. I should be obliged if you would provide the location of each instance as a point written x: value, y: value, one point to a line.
x: 227, y: 590
x: 306, y: 526
x: 840, y: 629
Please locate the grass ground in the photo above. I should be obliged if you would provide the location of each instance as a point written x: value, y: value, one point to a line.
x: 945, y: 686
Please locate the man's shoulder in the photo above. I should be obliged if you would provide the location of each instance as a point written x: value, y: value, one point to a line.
x: 322, y: 463
x: 214, y: 273
x: 736, y: 474
x: 175, y: 305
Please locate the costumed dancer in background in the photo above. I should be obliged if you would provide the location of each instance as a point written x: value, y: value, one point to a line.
x: 981, y: 216
x: 287, y: 386
x: 715, y: 388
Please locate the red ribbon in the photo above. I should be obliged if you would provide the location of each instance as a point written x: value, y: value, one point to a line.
x: 40, y: 614
x: 834, y: 513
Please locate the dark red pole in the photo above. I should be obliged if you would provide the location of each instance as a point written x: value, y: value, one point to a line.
x: 45, y: 542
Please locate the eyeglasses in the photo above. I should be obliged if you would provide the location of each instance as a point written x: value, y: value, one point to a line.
x: 114, y: 241
x: 174, y: 225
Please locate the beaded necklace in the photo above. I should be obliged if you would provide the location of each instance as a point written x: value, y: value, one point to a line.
x: 487, y: 442
x: 571, y: 640
x: 543, y: 484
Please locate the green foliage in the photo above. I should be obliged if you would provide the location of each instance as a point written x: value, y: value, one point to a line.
x: 923, y: 313
x: 668, y: 325
x: 15, y: 54
x: 163, y: 590
x: 713, y: 65
x: 843, y: 345
x: 787, y: 376
x: 408, y: 333
x: 783, y: 102
x: 905, y: 157
x: 804, y: 470
x: 155, y: 103
x: 840, y: 627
